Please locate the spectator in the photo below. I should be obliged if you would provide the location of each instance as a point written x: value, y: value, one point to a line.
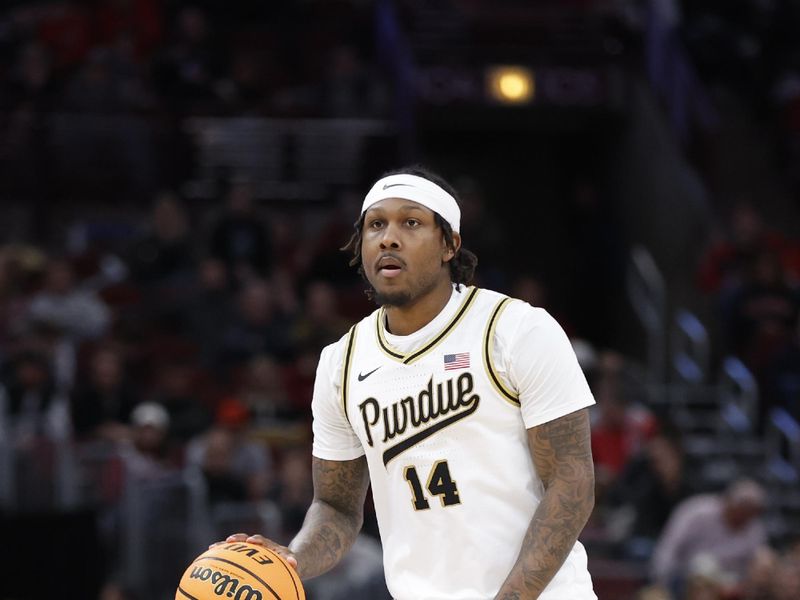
x: 188, y: 415
x: 320, y: 322
x: 30, y: 405
x: 34, y: 421
x: 18, y: 265
x: 706, y: 581
x: 31, y: 84
x: 320, y: 258
x: 760, y: 575
x: 293, y: 491
x: 780, y: 381
x: 650, y: 487
x: 236, y: 468
x: 786, y: 583
x: 725, y: 263
x: 62, y: 305
x: 103, y: 85
x: 165, y: 254
x: 349, y: 89
x: 151, y: 457
x: 620, y: 427
x: 187, y: 69
x: 209, y: 308
x: 762, y: 313
x: 257, y: 327
x: 726, y: 527
x: 239, y: 238
x: 482, y: 225
x: 101, y: 405
x: 140, y: 20
x: 264, y: 393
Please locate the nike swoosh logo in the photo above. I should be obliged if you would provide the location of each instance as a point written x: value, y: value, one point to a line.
x: 363, y: 377
x: 386, y: 186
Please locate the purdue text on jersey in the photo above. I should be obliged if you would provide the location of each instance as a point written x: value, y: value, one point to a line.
x: 426, y: 408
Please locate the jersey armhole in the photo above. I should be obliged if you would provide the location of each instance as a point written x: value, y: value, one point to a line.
x: 488, y: 339
x: 348, y: 359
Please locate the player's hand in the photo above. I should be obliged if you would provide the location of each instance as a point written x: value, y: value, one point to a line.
x: 261, y: 541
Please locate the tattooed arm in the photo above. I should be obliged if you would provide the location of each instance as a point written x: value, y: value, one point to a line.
x: 332, y: 522
x: 562, y: 455
x: 335, y: 516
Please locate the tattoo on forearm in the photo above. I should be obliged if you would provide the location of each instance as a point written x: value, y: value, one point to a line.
x: 334, y: 518
x: 562, y: 454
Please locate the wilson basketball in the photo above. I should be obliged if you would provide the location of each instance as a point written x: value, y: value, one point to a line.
x: 239, y: 571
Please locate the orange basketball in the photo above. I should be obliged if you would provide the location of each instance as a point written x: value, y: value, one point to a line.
x: 240, y: 571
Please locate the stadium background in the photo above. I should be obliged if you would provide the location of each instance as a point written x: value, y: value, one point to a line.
x: 176, y: 179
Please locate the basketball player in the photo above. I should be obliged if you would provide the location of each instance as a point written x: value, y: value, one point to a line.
x: 464, y: 409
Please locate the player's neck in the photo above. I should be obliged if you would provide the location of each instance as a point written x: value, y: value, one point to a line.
x: 405, y: 320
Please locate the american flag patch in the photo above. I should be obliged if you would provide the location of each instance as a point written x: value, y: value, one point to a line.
x: 456, y: 361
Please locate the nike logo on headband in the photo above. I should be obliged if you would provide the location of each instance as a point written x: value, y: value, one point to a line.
x: 386, y: 186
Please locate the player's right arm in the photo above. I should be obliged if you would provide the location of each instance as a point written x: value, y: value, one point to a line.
x: 332, y: 521
x: 340, y: 476
x: 335, y: 516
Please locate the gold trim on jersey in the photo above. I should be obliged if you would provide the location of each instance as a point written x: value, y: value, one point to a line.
x: 488, y: 336
x: 410, y: 357
x: 348, y: 359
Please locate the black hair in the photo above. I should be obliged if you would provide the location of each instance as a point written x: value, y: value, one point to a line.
x: 463, y: 263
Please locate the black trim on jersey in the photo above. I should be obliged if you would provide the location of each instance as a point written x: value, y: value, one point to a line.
x: 411, y: 357
x: 486, y: 349
x: 346, y: 369
x: 415, y: 439
x: 386, y: 348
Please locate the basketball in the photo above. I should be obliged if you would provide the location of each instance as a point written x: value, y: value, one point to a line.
x: 239, y: 571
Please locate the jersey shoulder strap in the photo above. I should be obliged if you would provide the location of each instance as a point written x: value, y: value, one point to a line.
x: 488, y: 345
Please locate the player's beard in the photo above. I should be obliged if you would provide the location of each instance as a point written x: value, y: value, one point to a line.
x: 397, y: 299
x: 401, y: 298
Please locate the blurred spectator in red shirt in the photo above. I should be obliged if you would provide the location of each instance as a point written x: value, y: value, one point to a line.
x: 620, y: 427
x: 64, y: 27
x: 725, y: 262
x: 140, y: 20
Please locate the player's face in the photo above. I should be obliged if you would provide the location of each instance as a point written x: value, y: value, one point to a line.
x: 403, y: 251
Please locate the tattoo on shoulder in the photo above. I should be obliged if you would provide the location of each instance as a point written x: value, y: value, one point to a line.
x: 563, y: 443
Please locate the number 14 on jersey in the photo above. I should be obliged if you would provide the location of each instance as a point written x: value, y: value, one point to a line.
x: 440, y: 483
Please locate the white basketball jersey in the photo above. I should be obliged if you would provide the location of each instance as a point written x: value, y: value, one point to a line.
x: 452, y: 478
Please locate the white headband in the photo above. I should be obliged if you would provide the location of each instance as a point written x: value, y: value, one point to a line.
x: 418, y: 189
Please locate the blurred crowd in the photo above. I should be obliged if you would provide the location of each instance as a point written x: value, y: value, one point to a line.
x: 187, y: 58
x: 752, y: 48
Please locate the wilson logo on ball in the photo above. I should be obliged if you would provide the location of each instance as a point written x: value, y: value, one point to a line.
x: 239, y: 571
x: 222, y: 582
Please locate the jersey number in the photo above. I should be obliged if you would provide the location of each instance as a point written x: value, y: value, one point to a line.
x: 439, y: 484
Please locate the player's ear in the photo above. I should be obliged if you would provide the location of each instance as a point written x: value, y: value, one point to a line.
x: 451, y: 250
